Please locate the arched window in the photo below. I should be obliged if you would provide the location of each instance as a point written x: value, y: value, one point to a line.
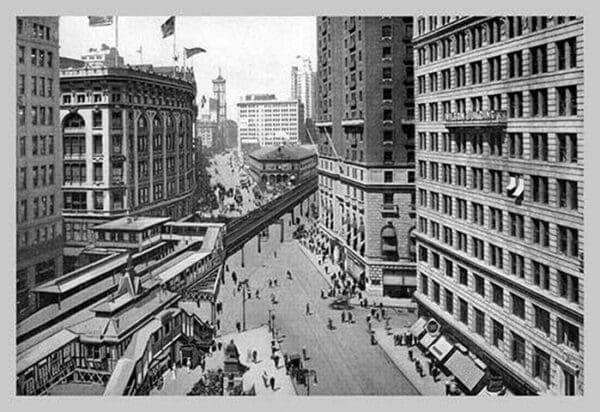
x: 73, y: 120
x: 142, y: 123
x: 389, y: 242
x: 412, y: 244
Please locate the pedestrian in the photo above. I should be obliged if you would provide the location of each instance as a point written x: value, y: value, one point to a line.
x: 410, y: 354
x: 275, y: 254
x: 448, y: 385
x: 255, y: 356
x: 265, y: 378
x: 276, y: 360
x: 350, y: 320
x: 272, y: 382
x: 304, y: 356
x: 257, y: 294
x: 368, y: 318
x: 307, y: 308
x: 275, y: 282
x: 218, y: 324
x: 226, y: 268
x: 238, y: 326
x: 382, y: 313
x: 234, y: 277
x: 234, y: 291
x: 343, y: 316
x: 270, y: 283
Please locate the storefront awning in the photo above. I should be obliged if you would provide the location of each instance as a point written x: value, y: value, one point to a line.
x: 427, y: 340
x: 417, y: 328
x: 465, y: 370
x: 441, y: 348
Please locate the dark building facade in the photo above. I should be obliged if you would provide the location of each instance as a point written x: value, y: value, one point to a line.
x: 365, y: 128
x: 39, y: 158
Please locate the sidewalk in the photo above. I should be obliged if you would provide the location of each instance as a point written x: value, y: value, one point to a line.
x: 399, y: 356
x: 372, y: 298
x: 258, y: 339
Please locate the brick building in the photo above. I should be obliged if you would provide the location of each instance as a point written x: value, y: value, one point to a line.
x: 39, y: 158
x: 365, y: 123
x: 500, y: 192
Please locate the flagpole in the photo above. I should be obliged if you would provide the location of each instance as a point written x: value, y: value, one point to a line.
x: 117, y: 39
x: 174, y: 43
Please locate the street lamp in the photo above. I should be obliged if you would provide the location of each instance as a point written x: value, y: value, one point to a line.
x: 309, y: 374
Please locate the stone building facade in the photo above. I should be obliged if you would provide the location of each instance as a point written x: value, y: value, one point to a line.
x: 500, y: 192
x: 365, y: 123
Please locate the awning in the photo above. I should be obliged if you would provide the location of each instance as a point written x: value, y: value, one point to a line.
x: 427, y: 340
x: 418, y: 327
x: 512, y: 184
x: 520, y: 188
x: 393, y: 280
x: 441, y: 348
x: 465, y: 370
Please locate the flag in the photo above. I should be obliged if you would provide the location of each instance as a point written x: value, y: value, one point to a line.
x: 168, y: 27
x: 203, y: 101
x: 193, y: 51
x: 96, y: 21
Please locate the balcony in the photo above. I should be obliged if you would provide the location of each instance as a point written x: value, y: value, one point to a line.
x: 117, y: 181
x: 407, y: 121
x: 389, y: 209
x: 487, y: 118
x: 353, y: 122
x: 74, y: 156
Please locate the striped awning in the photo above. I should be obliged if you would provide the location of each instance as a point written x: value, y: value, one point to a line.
x: 465, y: 370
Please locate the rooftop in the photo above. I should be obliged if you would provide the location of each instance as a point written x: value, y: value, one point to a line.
x: 132, y: 224
x: 282, y: 153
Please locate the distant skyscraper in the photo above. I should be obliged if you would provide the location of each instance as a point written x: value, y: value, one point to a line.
x: 303, y: 85
x: 219, y: 94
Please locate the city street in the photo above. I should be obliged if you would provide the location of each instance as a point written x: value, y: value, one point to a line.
x: 344, y: 359
x: 231, y: 180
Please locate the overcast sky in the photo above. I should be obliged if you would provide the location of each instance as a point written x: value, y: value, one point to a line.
x: 255, y: 53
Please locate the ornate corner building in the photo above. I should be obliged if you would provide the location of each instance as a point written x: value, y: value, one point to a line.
x: 500, y: 192
x: 365, y: 124
x: 127, y: 145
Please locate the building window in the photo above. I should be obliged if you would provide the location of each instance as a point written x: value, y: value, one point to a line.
x: 517, y: 265
x: 387, y: 73
x: 98, y: 200
x: 539, y: 59
x: 479, y: 285
x: 460, y: 74
x: 567, y: 334
x: 477, y: 213
x: 424, y: 284
x: 515, y: 65
x: 495, y: 68
x: 515, y: 145
x: 567, y: 100
x: 515, y: 104
x: 539, y: 146
x: 540, y: 275
x: 497, y: 333
x: 568, y: 241
x: 539, y: 103
x: 479, y: 322
x: 517, y: 225
x: 498, y: 295
x: 476, y: 72
x: 518, y: 306
x: 386, y: 31
x: 539, y: 189
x: 541, y: 319
x: 449, y: 267
x: 496, y: 219
x: 567, y: 53
x: 567, y: 194
x: 463, y: 308
x: 436, y: 292
x: 518, y: 349
x: 449, y: 301
x: 388, y: 157
x: 541, y: 365
x: 97, y: 119
x: 435, y: 260
x: 388, y: 176
x: 568, y: 287
x: 567, y: 147
x: 496, y: 181
x: 541, y: 232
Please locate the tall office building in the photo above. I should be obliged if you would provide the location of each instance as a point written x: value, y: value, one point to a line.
x: 303, y: 85
x: 127, y: 139
x: 365, y: 123
x: 39, y: 158
x: 500, y: 192
x: 265, y: 121
x: 219, y: 95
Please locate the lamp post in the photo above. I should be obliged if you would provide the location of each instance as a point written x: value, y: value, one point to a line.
x: 309, y: 374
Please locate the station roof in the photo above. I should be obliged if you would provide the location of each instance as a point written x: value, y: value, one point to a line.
x: 132, y: 224
x: 282, y: 153
x: 38, y: 352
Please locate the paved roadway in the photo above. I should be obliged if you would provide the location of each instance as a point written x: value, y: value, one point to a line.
x: 345, y: 361
x: 229, y: 179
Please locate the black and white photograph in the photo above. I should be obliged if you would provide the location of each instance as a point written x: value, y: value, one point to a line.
x: 304, y: 205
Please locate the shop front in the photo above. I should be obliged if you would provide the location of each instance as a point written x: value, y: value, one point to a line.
x: 399, y: 283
